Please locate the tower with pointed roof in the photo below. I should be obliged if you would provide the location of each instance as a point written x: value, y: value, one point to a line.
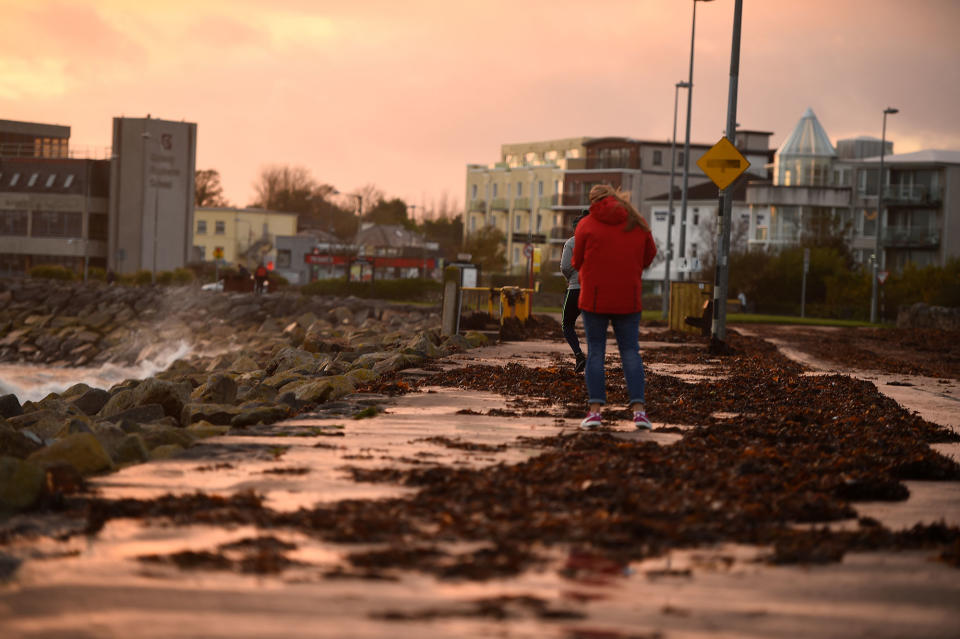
x: 806, y: 157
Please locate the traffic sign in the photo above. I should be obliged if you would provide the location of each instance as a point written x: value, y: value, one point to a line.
x: 218, y: 253
x: 723, y: 163
x: 882, y: 276
x: 527, y: 250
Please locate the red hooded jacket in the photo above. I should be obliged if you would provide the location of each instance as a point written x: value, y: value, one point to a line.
x: 611, y: 260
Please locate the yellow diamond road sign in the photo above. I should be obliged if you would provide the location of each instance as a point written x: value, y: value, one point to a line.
x: 723, y: 163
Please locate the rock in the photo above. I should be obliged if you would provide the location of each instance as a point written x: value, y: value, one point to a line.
x: 160, y: 435
x: 257, y: 392
x: 260, y: 413
x: 293, y: 359
x: 369, y: 360
x: 137, y: 415
x: 131, y: 450
x: 21, y: 483
x: 15, y: 443
x: 422, y: 345
x: 203, y: 429
x: 341, y: 315
x: 475, y: 338
x: 320, y: 390
x: 282, y: 379
x: 45, y: 423
x: 92, y: 401
x: 218, y: 389
x: 455, y: 343
x: 361, y: 375
x: 920, y: 315
x: 10, y: 406
x: 82, y: 451
x: 165, y: 452
x: 244, y: 364
x: 219, y: 414
x: 171, y: 396
x: 396, y: 362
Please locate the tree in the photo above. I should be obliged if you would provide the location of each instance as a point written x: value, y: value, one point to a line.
x: 487, y: 248
x: 389, y: 212
x: 445, y: 231
x: 207, y: 190
x: 285, y: 188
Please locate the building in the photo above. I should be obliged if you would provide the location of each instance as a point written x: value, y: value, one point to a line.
x: 536, y: 189
x: 151, y: 194
x: 53, y: 209
x: 819, y: 190
x: 244, y: 236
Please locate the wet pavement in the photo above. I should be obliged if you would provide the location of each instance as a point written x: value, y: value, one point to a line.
x: 102, y: 586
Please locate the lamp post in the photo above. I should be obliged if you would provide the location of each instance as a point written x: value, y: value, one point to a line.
x: 686, y: 142
x: 673, y: 163
x: 874, y: 289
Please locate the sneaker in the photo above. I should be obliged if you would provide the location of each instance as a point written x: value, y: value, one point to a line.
x: 581, y: 363
x: 641, y: 421
x: 591, y: 421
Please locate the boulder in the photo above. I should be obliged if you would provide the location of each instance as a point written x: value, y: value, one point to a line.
x: 361, y: 375
x: 137, y: 415
x: 320, y: 390
x: 260, y: 413
x: 292, y: 359
x: 165, y: 452
x: 21, y: 483
x: 203, y: 429
x: 476, y: 339
x: 154, y: 435
x: 219, y: 414
x: 171, y: 396
x: 82, y: 451
x: 244, y: 364
x: 45, y: 423
x: 369, y: 360
x: 91, y: 402
x: 10, y: 406
x: 218, y: 389
x: 15, y: 443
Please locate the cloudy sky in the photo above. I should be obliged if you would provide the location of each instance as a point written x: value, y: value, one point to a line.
x: 403, y: 94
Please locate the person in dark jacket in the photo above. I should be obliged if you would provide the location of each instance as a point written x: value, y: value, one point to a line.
x: 612, y: 247
x: 571, y: 311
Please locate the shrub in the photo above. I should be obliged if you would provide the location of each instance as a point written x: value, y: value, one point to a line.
x: 143, y: 278
x: 165, y: 278
x: 183, y: 276
x: 52, y: 272
x: 97, y: 274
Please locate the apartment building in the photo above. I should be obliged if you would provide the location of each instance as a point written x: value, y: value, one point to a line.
x: 820, y: 190
x: 244, y: 236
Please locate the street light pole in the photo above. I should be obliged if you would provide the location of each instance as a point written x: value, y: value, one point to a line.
x: 673, y: 166
x: 156, y: 203
x: 877, y: 250
x: 686, y: 142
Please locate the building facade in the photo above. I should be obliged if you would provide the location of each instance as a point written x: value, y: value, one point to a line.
x: 244, y: 236
x: 151, y: 194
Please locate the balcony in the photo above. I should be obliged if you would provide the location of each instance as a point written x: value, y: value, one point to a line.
x: 478, y: 205
x: 910, y: 194
x: 561, y: 233
x: 500, y: 204
x: 522, y: 203
x: 612, y: 163
x: 898, y: 237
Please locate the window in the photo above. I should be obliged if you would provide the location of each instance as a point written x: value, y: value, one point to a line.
x: 657, y: 158
x: 33, y: 179
x: 283, y: 258
x: 98, y: 226
x: 696, y: 219
x: 201, y: 227
x: 13, y: 223
x: 693, y: 250
x: 556, y: 187
x: 540, y: 188
x: 539, y: 222
x: 50, y: 180
x: 516, y: 254
x: 519, y: 189
x: 680, y: 158
x: 473, y: 223
x: 495, y: 190
x: 518, y: 222
x: 14, y: 179
x: 68, y: 181
x: 57, y: 224
x: 220, y: 227
x: 473, y: 192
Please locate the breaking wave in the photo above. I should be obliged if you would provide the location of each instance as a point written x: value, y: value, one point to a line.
x: 31, y: 383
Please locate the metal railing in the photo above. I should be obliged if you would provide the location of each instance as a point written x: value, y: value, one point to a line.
x: 899, y: 237
x: 478, y: 205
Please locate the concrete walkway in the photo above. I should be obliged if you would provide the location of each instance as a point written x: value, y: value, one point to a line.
x: 95, y: 587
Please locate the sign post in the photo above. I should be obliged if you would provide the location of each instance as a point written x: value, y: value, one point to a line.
x: 726, y: 167
x: 803, y: 284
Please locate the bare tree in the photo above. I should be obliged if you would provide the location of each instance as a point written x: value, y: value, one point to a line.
x: 207, y: 190
x: 284, y: 188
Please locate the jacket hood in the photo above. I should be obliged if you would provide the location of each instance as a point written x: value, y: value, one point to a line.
x: 609, y: 211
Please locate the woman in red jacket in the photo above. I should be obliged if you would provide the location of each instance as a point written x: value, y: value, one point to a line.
x: 613, y: 246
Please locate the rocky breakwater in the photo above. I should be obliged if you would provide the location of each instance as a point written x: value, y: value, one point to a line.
x: 245, y: 360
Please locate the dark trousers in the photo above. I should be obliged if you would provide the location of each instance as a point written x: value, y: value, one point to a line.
x: 571, y: 310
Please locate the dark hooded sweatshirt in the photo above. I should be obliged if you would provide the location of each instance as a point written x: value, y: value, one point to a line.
x: 611, y: 260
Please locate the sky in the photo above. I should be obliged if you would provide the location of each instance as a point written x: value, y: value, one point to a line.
x: 404, y: 94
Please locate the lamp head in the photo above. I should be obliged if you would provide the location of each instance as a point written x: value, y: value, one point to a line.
x: 683, y: 85
x: 891, y: 110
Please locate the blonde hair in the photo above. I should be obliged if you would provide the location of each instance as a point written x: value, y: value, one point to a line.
x: 634, y: 218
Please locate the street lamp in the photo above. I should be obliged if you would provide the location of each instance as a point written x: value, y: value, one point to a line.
x: 673, y: 163
x: 156, y: 204
x: 686, y: 142
x: 877, y: 254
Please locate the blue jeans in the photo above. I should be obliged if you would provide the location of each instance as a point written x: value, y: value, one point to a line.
x: 626, y: 329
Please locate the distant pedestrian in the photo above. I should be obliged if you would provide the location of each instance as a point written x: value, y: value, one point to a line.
x: 742, y: 297
x: 571, y: 308
x: 613, y: 245
x: 259, y: 278
x: 111, y: 276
